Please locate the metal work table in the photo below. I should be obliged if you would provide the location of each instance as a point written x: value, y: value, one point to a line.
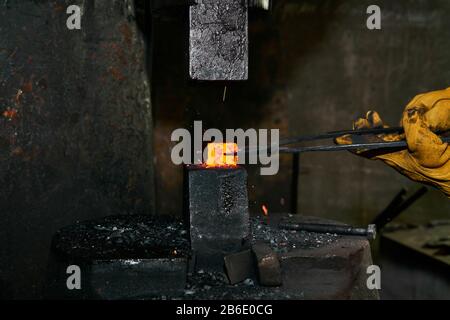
x: 313, y: 266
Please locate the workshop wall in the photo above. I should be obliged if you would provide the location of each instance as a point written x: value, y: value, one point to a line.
x: 75, y: 142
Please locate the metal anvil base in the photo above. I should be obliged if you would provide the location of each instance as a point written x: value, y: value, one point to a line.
x: 218, y: 214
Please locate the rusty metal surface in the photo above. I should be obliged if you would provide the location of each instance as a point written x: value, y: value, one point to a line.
x: 77, y: 143
x: 218, y: 45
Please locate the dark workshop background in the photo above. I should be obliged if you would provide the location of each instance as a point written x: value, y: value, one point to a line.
x: 87, y: 115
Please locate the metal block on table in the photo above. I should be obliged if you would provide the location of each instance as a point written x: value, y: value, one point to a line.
x: 128, y: 279
x: 269, y: 270
x: 120, y: 257
x: 240, y: 266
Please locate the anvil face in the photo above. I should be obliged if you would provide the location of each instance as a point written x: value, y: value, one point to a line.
x: 218, y: 213
x: 218, y: 40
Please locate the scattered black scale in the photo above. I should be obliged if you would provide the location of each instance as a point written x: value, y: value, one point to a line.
x: 150, y: 237
x: 265, y: 229
x: 214, y: 286
x: 227, y: 190
x: 123, y: 237
x: 204, y: 285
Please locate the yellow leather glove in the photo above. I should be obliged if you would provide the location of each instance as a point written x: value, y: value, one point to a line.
x: 427, y: 159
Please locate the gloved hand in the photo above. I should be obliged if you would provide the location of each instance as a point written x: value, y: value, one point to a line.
x: 427, y: 158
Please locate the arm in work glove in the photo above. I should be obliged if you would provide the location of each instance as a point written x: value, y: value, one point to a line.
x: 427, y: 159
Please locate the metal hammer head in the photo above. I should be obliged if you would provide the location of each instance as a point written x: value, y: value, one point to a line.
x: 218, y: 36
x: 218, y: 40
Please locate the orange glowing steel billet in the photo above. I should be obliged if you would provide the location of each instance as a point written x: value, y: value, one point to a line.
x: 222, y: 155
